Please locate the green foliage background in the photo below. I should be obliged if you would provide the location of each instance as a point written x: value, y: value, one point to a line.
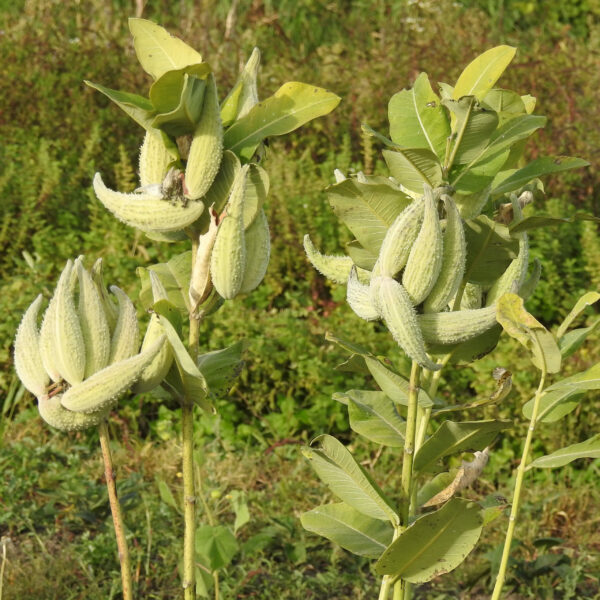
x: 56, y: 134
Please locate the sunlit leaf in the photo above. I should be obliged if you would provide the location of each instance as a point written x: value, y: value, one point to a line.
x: 588, y: 449
x: 349, y: 529
x: 554, y: 405
x: 216, y: 545
x: 586, y: 300
x: 414, y: 167
x: 434, y: 544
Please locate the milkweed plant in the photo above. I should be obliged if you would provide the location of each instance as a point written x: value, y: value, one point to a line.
x: 441, y: 259
x: 200, y: 179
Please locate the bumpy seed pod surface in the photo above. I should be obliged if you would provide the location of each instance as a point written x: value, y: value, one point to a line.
x: 336, y: 268
x: 154, y: 159
x: 425, y: 258
x: 399, y: 239
x: 360, y: 298
x: 207, y: 145
x: 28, y: 359
x: 52, y: 411
x: 454, y: 254
x: 126, y: 336
x: 48, y: 341
x: 401, y: 319
x: 458, y: 326
x: 258, y: 251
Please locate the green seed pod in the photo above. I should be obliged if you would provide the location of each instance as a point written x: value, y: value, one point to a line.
x: 207, y: 146
x: 48, y: 341
x: 70, y: 344
x: 258, y: 250
x: 200, y: 281
x: 148, y: 211
x: 52, y: 411
x: 472, y: 297
x: 102, y: 390
x: 94, y: 326
x: 336, y: 268
x: 400, y: 238
x: 228, y: 258
x: 454, y: 254
x: 401, y: 319
x: 425, y: 258
x: 28, y: 359
x: 156, y: 371
x: 154, y: 159
x: 360, y: 298
x: 111, y: 310
x: 458, y: 326
x: 126, y: 336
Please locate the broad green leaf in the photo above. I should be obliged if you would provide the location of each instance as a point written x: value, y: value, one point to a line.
x: 239, y: 505
x: 140, y: 109
x: 491, y: 250
x: 473, y: 129
x: 434, y: 544
x: 216, y: 545
x: 175, y: 278
x: 451, y: 438
x: 193, y: 383
x: 586, y: 300
x: 434, y: 486
x: 554, y: 405
x: 158, y: 51
x: 588, y: 449
x: 506, y: 103
x: 360, y: 256
x: 586, y: 380
x: 481, y: 74
x: 522, y: 326
x: 542, y: 220
x: 471, y: 205
x: 492, y: 507
x: 165, y: 92
x: 573, y: 340
x: 418, y: 119
x: 244, y: 93
x: 221, y: 367
x: 374, y: 415
x: 414, y: 167
x: 541, y: 166
x: 349, y: 529
x: 467, y: 179
x: 393, y: 385
x: 367, y: 210
x: 348, y: 480
x: 292, y: 105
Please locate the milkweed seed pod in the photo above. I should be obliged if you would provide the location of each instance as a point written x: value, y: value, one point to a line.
x: 425, y: 258
x: 200, y: 281
x: 258, y: 251
x: 454, y: 254
x: 400, y: 238
x: 360, y: 298
x: 472, y: 297
x: 397, y: 311
x: 228, y: 259
x: 154, y: 159
x: 457, y: 326
x: 207, y: 146
x: 89, y: 366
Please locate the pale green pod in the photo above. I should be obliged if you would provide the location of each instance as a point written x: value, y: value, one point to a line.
x: 126, y: 336
x: 102, y: 390
x: 52, y: 411
x: 456, y: 327
x: 228, y: 258
x: 207, y: 146
x: 200, y: 281
x: 157, y: 370
x: 28, y: 359
x: 454, y: 253
x: 70, y: 345
x: 360, y: 298
x: 111, y: 310
x: 514, y: 276
x: 154, y: 159
x: 400, y: 238
x: 401, y: 320
x: 94, y: 326
x: 425, y: 259
x: 258, y: 251
x: 48, y: 341
x: 472, y: 297
x: 147, y: 211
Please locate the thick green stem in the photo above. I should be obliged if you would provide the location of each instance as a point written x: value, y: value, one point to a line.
x: 514, y: 512
x: 117, y: 515
x: 189, y: 487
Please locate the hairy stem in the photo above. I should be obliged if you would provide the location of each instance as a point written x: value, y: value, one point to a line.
x: 514, y: 512
x: 115, y: 509
x: 189, y: 487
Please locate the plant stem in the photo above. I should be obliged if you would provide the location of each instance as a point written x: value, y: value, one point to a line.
x: 189, y: 486
x: 117, y: 515
x: 512, y: 520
